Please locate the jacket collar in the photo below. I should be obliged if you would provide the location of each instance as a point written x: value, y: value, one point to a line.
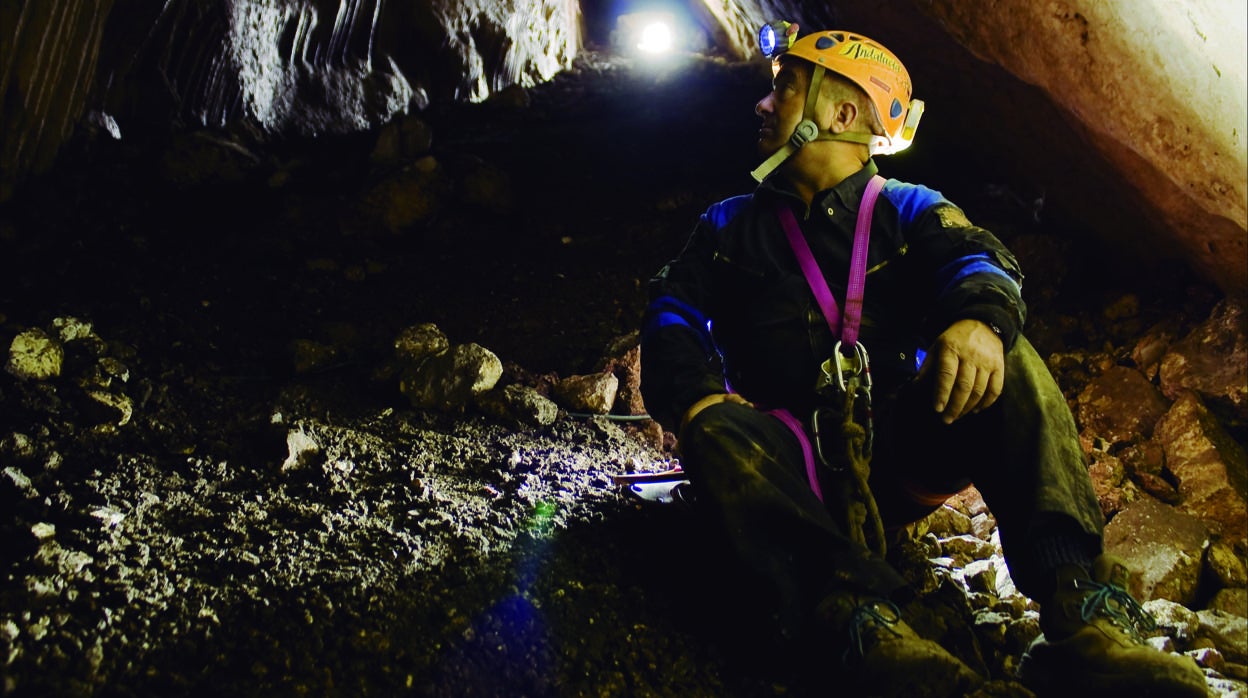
x: 845, y: 196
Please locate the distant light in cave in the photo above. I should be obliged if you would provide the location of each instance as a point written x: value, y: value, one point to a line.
x: 652, y: 34
x: 656, y: 37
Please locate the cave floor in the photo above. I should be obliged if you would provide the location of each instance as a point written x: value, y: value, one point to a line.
x: 204, y: 548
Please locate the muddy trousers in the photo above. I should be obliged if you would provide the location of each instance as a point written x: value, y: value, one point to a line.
x: 1022, y: 454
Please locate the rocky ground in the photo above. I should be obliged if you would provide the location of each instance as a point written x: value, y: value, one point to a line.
x: 222, y: 489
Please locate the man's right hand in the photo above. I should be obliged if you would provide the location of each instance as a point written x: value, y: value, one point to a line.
x: 712, y: 399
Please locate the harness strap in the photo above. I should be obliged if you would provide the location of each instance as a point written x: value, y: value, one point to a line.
x: 858, y: 262
x: 847, y: 328
x: 808, y: 454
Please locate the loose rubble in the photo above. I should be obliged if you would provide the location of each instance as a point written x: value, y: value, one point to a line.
x: 138, y: 557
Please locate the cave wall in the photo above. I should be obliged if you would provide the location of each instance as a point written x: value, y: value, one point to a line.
x: 305, y: 67
x: 1128, y: 116
x: 48, y: 56
x: 1158, y: 89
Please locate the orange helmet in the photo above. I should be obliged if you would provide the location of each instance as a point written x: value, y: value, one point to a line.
x: 863, y: 62
x: 877, y: 71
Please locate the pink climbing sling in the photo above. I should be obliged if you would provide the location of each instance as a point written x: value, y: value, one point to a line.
x: 839, y: 366
x: 845, y: 328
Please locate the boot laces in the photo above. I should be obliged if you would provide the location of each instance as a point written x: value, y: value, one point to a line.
x: 1116, y: 604
x: 869, y: 614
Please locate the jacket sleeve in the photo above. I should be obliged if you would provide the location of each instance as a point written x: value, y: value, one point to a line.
x: 679, y: 361
x: 971, y: 274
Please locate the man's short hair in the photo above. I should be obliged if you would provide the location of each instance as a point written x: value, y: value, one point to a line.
x: 843, y: 89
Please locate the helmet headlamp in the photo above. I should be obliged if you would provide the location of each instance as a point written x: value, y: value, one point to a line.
x: 774, y: 38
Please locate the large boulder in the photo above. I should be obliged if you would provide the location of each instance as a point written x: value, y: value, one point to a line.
x: 1120, y: 405
x: 1162, y: 547
x: 33, y: 355
x: 1212, y: 360
x: 1212, y: 469
x: 451, y: 380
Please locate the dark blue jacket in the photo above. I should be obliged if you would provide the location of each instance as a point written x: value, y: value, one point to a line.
x: 734, y: 305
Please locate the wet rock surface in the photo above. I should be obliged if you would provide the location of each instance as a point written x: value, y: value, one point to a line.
x: 222, y: 488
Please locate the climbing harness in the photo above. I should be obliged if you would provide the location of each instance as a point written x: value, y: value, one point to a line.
x: 845, y: 375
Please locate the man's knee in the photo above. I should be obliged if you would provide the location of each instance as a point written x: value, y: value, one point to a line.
x: 717, y: 430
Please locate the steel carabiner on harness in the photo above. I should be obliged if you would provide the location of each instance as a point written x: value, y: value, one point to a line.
x: 846, y: 378
x: 835, y: 371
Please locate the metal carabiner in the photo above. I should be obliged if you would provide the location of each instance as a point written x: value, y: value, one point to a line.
x: 840, y: 365
x: 816, y: 433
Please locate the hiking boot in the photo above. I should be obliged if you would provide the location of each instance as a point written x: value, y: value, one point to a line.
x: 887, y: 657
x: 1093, y: 643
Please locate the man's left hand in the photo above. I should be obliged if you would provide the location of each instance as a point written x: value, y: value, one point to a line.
x: 968, y: 361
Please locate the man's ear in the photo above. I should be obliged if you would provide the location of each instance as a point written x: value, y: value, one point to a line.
x: 844, y: 115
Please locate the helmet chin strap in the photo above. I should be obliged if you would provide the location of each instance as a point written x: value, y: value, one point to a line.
x: 806, y: 131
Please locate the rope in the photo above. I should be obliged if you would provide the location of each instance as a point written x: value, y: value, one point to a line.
x: 612, y: 417
x: 862, y: 510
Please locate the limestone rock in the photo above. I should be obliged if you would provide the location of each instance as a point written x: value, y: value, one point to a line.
x: 1225, y: 565
x: 103, y: 407
x: 1120, y: 405
x: 1212, y: 360
x: 593, y: 393
x: 623, y: 358
x: 519, y: 403
x: 1228, y: 632
x: 1208, y: 658
x: 969, y: 501
x: 1174, y: 620
x: 1157, y: 486
x: 981, y: 577
x: 966, y: 548
x: 1162, y: 547
x: 420, y: 341
x: 301, y: 449
x: 1152, y: 346
x: 103, y: 373
x: 451, y: 380
x: 1212, y: 469
x: 33, y: 355
x: 72, y: 329
x: 1232, y: 601
x: 946, y: 522
x: 1108, y: 477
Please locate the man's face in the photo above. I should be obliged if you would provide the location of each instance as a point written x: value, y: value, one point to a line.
x: 781, y: 109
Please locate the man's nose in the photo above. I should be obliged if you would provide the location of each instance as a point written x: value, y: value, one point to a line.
x: 763, y: 106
